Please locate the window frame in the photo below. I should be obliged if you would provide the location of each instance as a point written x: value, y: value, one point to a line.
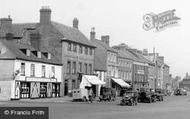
x: 22, y: 69
x: 43, y: 71
x: 32, y: 70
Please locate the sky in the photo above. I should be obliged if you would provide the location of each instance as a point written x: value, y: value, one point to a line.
x: 121, y: 19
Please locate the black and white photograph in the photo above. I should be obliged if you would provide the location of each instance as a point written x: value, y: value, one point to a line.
x: 94, y: 59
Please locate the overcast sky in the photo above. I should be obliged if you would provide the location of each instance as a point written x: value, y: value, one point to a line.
x: 121, y: 19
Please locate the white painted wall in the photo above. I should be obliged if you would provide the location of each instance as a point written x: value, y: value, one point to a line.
x: 38, y: 69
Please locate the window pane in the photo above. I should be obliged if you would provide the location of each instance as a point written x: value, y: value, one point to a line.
x: 74, y: 47
x: 53, y: 71
x: 68, y: 67
x: 43, y: 71
x: 74, y: 68
x: 32, y: 70
x: 22, y: 68
x: 69, y: 47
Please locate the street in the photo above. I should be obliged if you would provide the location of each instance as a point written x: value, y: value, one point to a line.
x: 173, y: 107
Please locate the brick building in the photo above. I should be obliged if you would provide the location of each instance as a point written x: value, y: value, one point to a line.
x: 50, y: 35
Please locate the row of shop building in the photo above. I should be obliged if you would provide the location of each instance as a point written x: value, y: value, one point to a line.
x: 48, y: 59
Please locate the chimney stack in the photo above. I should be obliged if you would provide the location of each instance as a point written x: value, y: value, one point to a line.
x: 45, y: 15
x: 5, y: 26
x: 75, y: 23
x: 145, y: 52
x: 161, y: 58
x: 106, y: 39
x: 92, y: 34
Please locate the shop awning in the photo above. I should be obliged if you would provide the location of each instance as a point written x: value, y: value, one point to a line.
x: 121, y: 82
x: 89, y: 80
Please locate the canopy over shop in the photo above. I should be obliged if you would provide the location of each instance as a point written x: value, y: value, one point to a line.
x: 120, y: 85
x: 89, y: 83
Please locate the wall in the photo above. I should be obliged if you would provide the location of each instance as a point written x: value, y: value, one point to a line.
x: 75, y: 57
x: 38, y: 69
x: 125, y: 69
x: 6, y: 70
x: 5, y: 90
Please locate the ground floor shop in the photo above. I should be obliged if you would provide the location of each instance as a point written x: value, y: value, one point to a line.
x: 33, y: 90
x: 15, y: 89
x: 120, y: 86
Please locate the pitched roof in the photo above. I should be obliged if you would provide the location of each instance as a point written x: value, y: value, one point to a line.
x: 99, y: 57
x: 140, y: 58
x: 15, y: 52
x: 106, y: 47
x: 19, y: 28
x: 72, y: 34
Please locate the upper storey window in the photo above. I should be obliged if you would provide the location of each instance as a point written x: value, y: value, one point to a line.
x: 69, y: 47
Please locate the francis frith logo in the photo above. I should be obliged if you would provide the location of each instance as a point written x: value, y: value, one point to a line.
x: 160, y: 21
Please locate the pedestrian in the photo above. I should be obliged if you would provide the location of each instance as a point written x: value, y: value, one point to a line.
x: 90, y: 94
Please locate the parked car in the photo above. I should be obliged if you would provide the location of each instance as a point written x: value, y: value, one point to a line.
x: 180, y: 91
x: 107, y: 94
x: 129, y: 98
x: 145, y: 96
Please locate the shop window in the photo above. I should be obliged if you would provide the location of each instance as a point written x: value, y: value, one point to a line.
x: 55, y: 89
x: 25, y: 90
x: 32, y: 70
x: 43, y: 71
x: 43, y: 90
x: 23, y: 69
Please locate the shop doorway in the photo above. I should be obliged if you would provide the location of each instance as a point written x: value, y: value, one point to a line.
x: 43, y: 90
x: 66, y: 87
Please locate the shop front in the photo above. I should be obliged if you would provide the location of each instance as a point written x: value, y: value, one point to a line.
x: 120, y: 86
x: 36, y: 88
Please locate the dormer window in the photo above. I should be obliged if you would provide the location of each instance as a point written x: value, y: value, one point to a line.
x: 35, y: 53
x: 47, y: 55
x: 39, y: 55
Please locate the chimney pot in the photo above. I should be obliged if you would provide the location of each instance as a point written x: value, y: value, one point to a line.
x: 105, y: 39
x: 92, y: 34
x: 75, y: 23
x: 45, y: 15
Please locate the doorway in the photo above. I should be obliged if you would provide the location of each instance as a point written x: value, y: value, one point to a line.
x: 66, y: 87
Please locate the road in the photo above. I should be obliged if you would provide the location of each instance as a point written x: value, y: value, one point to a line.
x: 173, y: 107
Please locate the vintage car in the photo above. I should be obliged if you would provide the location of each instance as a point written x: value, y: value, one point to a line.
x: 147, y: 96
x: 180, y: 91
x: 129, y: 98
x: 107, y: 94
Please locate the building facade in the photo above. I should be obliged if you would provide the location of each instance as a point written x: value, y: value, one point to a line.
x: 78, y: 59
x: 27, y: 72
x: 49, y: 35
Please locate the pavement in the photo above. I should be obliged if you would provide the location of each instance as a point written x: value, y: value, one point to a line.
x: 42, y: 100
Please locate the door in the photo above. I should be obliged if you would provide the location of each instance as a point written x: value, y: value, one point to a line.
x: 66, y: 87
